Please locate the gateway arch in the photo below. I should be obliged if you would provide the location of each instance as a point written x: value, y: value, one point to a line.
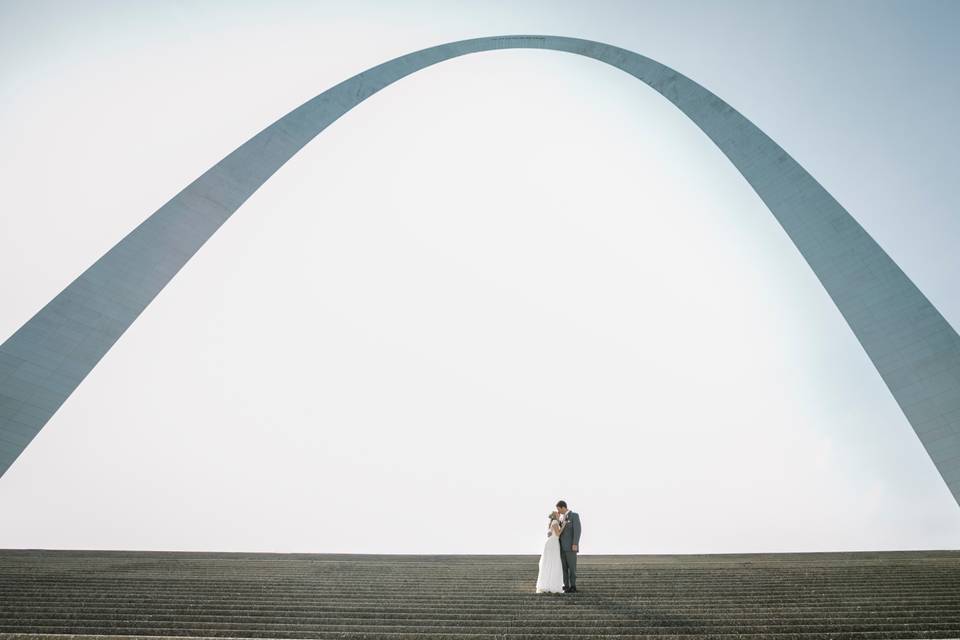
x: 915, y: 350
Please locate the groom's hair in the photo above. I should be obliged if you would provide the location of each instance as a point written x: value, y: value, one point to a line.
x: 561, y: 503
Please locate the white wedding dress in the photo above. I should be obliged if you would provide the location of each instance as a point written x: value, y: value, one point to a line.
x: 550, y: 578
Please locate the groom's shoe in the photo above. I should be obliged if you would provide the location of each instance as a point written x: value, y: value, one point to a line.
x: 566, y: 588
x: 572, y: 590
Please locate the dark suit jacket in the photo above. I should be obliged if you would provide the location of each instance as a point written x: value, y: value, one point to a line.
x: 571, y: 533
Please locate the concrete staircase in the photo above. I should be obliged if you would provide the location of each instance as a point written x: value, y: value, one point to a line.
x: 887, y: 594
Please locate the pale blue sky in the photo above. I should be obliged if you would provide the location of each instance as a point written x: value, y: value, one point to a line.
x: 512, y: 277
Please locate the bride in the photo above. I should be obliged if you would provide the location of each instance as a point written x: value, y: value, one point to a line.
x: 550, y: 578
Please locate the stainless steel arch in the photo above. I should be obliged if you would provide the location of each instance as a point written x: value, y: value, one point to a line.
x: 913, y: 347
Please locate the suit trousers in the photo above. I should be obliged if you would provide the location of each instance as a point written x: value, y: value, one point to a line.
x: 569, y: 561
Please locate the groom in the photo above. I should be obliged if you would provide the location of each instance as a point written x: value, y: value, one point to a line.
x: 569, y: 546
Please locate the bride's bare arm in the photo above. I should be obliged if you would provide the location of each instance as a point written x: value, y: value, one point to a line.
x: 556, y: 529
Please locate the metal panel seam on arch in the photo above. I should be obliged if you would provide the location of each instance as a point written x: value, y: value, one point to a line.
x: 915, y: 350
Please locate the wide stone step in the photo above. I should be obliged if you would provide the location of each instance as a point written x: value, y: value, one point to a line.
x: 307, y: 631
x: 744, y: 600
x: 514, y: 635
x: 252, y: 621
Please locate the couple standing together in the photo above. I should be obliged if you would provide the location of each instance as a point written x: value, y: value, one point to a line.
x: 558, y: 562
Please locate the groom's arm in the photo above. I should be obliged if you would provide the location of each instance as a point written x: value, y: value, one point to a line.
x: 575, y: 523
